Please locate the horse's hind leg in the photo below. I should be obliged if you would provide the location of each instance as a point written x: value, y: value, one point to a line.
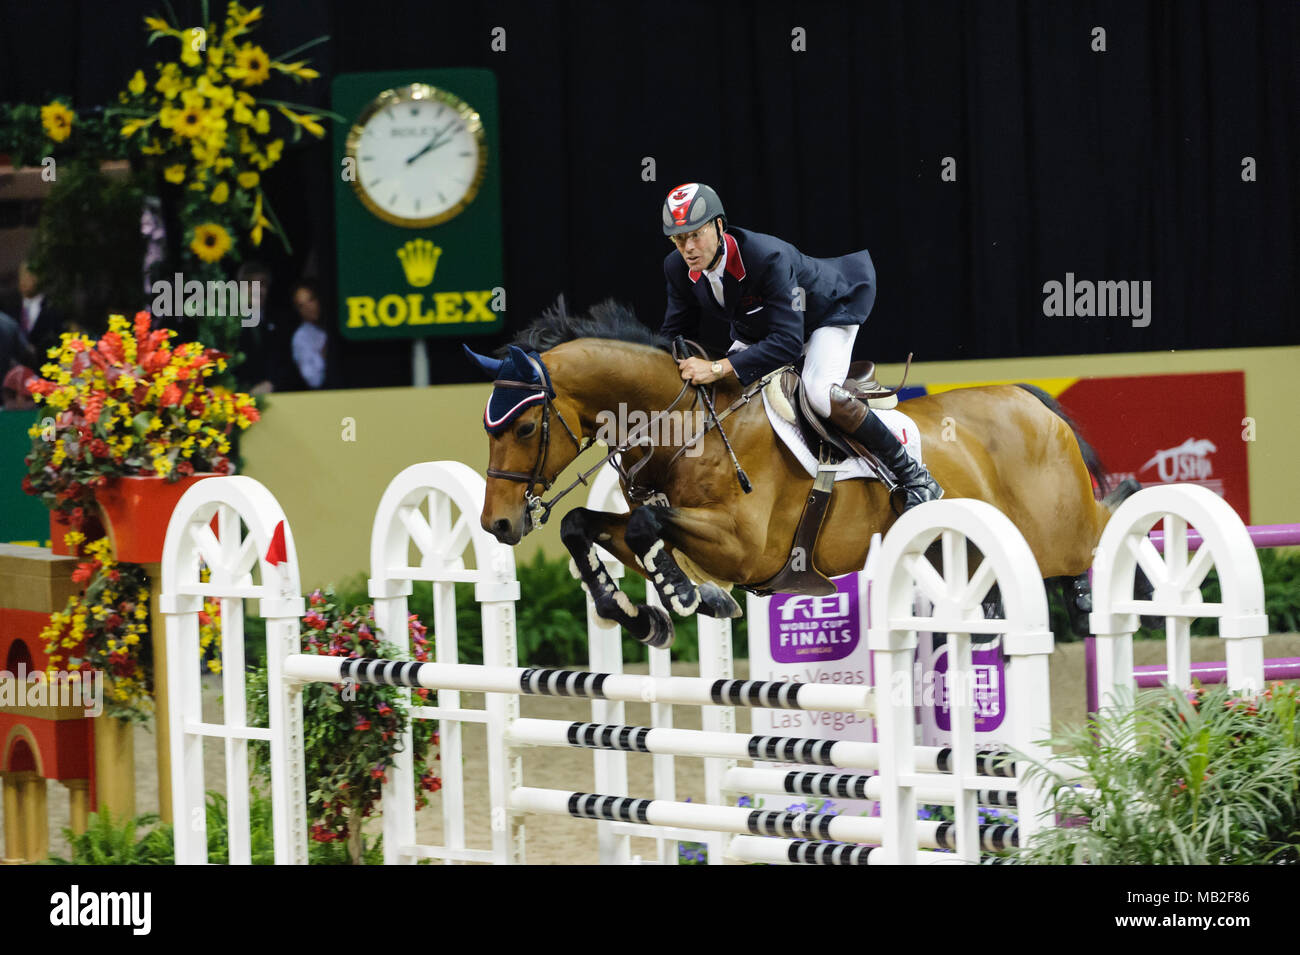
x: 580, y: 530
x: 649, y: 532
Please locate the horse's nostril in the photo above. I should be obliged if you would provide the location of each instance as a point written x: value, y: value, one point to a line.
x: 501, y: 527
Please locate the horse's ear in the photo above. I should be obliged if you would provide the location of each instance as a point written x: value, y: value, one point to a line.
x: 522, y: 362
x: 489, y: 366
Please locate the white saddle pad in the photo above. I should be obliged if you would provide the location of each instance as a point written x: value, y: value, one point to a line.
x: 903, y: 427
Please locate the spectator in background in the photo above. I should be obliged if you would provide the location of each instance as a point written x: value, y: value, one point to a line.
x: 258, y: 373
x: 13, y: 343
x: 15, y: 396
x: 40, y: 321
x: 310, y: 341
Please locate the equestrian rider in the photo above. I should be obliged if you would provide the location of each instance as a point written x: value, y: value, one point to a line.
x: 779, y: 303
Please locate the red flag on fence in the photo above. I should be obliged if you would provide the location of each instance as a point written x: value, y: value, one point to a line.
x: 277, y: 553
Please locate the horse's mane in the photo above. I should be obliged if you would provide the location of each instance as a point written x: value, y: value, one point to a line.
x: 608, y: 319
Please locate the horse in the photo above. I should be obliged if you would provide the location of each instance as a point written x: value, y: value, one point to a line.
x: 701, y: 533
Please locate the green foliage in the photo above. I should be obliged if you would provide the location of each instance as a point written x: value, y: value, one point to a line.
x: 352, y: 732
x: 1205, y: 778
x: 25, y: 140
x: 110, y: 841
x: 88, y: 246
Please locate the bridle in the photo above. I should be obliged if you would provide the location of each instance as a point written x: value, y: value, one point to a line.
x: 538, y: 510
x: 535, y: 477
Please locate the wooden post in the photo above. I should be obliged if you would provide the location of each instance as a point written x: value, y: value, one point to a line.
x: 115, y: 766
x: 78, y: 804
x: 13, y: 817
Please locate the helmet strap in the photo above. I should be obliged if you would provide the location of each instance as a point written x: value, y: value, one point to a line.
x: 718, y: 254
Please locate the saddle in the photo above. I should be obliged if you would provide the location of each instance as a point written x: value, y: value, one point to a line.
x: 800, y: 575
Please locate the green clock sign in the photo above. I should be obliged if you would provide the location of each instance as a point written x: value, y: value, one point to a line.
x: 418, y: 204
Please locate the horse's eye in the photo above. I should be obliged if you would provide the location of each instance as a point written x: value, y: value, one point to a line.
x: 526, y: 429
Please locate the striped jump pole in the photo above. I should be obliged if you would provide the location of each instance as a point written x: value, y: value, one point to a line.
x: 757, y: 822
x: 529, y: 681
x: 809, y: 852
x: 853, y: 786
x: 845, y: 754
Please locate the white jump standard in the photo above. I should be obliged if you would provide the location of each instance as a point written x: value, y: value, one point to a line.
x: 240, y: 566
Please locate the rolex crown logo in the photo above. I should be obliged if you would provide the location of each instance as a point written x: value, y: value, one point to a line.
x: 419, y: 261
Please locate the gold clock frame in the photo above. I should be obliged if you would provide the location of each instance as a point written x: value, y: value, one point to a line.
x: 406, y: 94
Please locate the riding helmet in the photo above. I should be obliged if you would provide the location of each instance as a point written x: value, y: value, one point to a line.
x: 689, y: 206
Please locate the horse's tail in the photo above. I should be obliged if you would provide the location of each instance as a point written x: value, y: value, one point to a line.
x: 1090, y: 457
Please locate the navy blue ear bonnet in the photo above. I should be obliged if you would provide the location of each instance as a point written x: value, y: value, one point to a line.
x: 506, y: 403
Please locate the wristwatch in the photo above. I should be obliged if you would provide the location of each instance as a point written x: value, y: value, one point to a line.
x: 716, y: 368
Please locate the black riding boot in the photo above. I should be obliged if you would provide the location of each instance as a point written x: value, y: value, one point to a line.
x: 854, y: 417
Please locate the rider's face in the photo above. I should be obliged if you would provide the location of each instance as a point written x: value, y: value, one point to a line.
x: 698, y: 247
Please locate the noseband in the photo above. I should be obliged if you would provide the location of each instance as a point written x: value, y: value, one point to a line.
x: 531, y: 479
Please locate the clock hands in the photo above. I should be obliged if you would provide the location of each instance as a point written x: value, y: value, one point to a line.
x: 434, y: 143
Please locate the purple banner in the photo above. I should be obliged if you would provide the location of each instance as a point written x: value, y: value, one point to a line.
x: 990, y: 687
x: 815, y: 629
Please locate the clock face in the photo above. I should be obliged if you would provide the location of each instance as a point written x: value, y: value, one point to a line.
x: 420, y: 153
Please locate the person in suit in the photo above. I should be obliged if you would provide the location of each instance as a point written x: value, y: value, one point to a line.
x: 40, y: 321
x: 780, y: 304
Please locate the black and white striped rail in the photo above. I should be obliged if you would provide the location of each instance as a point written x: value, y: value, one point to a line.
x: 844, y: 754
x: 757, y: 822
x: 806, y: 852
x: 848, y: 786
x: 531, y: 681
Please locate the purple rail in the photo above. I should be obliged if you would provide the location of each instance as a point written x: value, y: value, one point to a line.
x: 1261, y: 535
x: 1280, y: 668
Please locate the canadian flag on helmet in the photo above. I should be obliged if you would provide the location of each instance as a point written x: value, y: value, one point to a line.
x: 680, y: 199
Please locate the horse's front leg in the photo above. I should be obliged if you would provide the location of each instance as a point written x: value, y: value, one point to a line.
x: 650, y: 533
x: 583, y: 528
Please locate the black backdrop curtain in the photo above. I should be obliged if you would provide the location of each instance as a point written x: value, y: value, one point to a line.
x: 1116, y: 165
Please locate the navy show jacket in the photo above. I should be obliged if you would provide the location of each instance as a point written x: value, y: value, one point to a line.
x: 758, y: 287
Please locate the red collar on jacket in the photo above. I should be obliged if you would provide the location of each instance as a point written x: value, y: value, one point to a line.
x: 735, y: 264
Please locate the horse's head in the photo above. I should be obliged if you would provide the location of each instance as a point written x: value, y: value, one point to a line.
x: 533, y: 433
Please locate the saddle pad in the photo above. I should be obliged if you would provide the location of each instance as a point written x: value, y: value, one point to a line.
x: 903, y: 427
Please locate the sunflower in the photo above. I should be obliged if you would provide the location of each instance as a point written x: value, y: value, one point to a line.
x: 252, y: 65
x: 211, y: 242
x: 57, y: 120
x: 189, y: 122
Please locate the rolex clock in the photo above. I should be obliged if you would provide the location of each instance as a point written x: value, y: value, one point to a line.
x: 417, y: 204
x: 419, y: 153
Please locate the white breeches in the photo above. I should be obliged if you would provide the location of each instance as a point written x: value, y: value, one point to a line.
x: 827, y: 357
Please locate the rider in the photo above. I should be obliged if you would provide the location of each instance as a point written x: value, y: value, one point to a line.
x: 780, y: 303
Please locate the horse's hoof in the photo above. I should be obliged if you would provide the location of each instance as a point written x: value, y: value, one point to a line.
x: 660, y: 634
x: 716, y: 602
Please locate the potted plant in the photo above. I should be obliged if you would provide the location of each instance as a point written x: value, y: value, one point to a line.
x: 134, y: 420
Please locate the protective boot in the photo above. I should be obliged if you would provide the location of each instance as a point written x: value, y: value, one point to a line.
x: 855, y: 418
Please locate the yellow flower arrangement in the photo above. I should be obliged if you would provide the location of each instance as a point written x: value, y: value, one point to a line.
x: 200, y: 115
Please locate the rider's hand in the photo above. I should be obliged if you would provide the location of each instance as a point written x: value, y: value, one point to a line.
x: 699, y: 371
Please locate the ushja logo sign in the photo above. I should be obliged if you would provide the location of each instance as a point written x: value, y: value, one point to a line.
x: 1190, y: 461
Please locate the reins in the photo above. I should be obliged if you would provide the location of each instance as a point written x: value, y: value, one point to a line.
x: 540, y: 510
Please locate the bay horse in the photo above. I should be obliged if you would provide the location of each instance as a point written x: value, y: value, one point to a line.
x: 1007, y: 445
